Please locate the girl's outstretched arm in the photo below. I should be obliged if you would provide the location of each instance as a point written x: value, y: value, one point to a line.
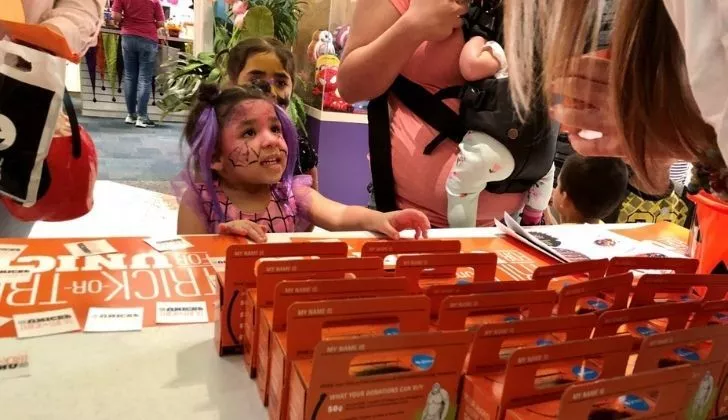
x: 188, y: 217
x: 334, y: 216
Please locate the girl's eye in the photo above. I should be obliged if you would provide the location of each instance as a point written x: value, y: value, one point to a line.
x: 249, y: 133
x: 282, y: 84
x: 276, y: 129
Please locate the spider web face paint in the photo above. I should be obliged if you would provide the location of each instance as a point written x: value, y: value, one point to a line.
x: 244, y: 156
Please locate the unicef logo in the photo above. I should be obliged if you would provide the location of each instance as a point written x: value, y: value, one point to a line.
x: 7, y: 132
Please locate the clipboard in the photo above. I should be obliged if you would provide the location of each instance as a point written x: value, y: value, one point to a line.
x: 12, y: 22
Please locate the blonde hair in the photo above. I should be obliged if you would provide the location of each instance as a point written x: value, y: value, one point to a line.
x: 649, y: 92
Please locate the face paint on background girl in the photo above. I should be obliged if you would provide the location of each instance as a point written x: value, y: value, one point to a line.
x: 268, y: 67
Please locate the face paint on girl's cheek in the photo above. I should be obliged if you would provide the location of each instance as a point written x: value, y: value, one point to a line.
x: 243, y: 156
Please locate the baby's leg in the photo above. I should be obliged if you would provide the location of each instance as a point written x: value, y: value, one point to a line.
x: 538, y: 199
x: 481, y: 159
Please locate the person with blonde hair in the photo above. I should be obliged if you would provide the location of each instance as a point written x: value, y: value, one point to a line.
x: 659, y: 92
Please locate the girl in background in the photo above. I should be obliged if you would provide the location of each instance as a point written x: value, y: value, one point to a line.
x: 240, y: 180
x: 270, y: 60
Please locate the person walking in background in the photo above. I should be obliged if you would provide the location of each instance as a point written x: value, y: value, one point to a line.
x: 139, y: 21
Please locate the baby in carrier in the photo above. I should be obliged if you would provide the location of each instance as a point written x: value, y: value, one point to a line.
x: 482, y: 158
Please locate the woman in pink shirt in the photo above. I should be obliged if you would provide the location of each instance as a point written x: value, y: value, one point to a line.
x: 422, y: 40
x: 139, y: 21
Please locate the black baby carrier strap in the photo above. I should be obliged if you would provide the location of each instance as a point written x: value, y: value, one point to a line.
x: 485, y: 106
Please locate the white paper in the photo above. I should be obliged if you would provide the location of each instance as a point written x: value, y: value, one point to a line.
x: 4, y: 320
x: 173, y: 243
x: 86, y: 248
x: 38, y: 324
x: 218, y: 263
x: 572, y: 243
x: 653, y: 250
x: 9, y: 252
x: 15, y: 275
x: 114, y: 319
x: 14, y: 364
x: 181, y: 312
x: 524, y: 238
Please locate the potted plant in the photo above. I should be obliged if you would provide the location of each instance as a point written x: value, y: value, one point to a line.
x: 180, y: 79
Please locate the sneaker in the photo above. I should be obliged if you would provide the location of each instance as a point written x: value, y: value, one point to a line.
x: 130, y: 119
x: 145, y: 123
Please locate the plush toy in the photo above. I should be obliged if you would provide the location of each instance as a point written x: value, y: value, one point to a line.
x: 312, y: 45
x: 326, y: 87
x: 326, y: 61
x: 325, y: 45
x: 341, y: 35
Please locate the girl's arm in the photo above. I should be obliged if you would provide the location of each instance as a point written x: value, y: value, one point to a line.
x: 477, y: 62
x: 188, y: 217
x: 334, y: 216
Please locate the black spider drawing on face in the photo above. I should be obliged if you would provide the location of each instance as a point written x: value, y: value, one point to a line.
x: 243, y: 156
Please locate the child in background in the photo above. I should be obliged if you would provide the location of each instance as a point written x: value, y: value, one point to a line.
x: 240, y: 174
x: 641, y: 207
x: 588, y: 189
x: 268, y: 59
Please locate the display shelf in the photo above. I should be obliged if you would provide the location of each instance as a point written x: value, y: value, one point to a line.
x: 331, y: 116
x: 322, y: 34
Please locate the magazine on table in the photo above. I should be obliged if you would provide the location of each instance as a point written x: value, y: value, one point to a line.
x: 570, y: 243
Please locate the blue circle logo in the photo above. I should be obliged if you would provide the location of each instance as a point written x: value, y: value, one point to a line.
x: 721, y: 315
x: 646, y: 331
x: 633, y: 402
x: 584, y: 373
x: 391, y: 331
x: 511, y: 318
x: 462, y: 282
x: 543, y: 342
x: 687, y: 354
x: 423, y: 361
x: 686, y: 298
x: 597, y: 304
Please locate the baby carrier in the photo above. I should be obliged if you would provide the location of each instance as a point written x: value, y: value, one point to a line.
x: 485, y: 106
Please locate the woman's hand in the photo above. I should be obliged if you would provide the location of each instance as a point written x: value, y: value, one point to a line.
x: 394, y: 222
x: 245, y: 228
x: 435, y: 20
x: 585, y: 108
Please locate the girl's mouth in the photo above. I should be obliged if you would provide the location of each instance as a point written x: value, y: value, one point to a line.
x: 271, y: 161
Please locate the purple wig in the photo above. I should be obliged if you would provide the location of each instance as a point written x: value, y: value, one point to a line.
x: 290, y: 135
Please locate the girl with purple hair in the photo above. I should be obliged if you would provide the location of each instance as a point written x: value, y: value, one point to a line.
x: 239, y: 177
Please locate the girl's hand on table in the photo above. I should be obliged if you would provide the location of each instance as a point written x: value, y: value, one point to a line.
x: 394, y: 222
x: 245, y: 228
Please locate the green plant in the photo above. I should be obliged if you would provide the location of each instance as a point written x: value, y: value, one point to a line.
x: 180, y: 79
x: 286, y: 14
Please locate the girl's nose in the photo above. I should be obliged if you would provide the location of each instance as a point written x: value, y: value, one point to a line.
x: 270, y: 139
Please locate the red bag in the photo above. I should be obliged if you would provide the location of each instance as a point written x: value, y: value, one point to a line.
x: 68, y: 179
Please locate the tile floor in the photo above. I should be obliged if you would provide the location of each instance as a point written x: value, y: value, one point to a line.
x: 145, y: 158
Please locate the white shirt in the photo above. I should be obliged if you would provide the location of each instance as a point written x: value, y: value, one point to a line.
x: 78, y: 20
x: 703, y: 29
